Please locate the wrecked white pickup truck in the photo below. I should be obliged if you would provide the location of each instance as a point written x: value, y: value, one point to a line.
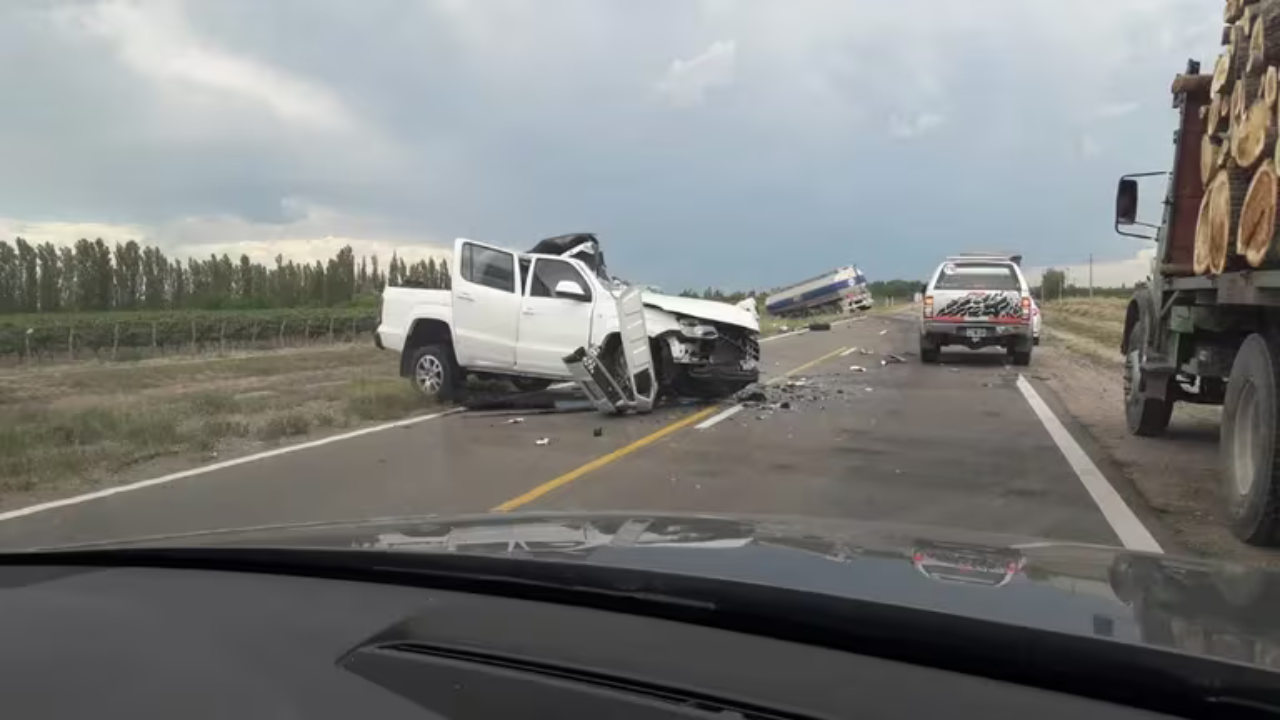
x: 554, y: 314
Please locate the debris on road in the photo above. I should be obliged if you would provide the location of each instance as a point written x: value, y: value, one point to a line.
x: 751, y: 393
x: 884, y: 332
x: 892, y: 360
x: 857, y: 368
x: 542, y: 441
x: 598, y: 432
x: 784, y: 405
x: 864, y: 351
x: 819, y: 327
x: 515, y: 421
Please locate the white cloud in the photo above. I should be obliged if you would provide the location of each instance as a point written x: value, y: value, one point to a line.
x: 688, y: 81
x: 156, y: 40
x: 1112, y: 273
x: 914, y: 125
x: 317, y: 233
x: 1113, y: 110
x: 1088, y: 147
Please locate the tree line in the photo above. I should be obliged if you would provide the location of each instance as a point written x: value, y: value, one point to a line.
x: 878, y: 289
x: 95, y: 276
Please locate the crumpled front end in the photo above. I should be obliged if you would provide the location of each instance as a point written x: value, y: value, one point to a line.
x: 686, y: 356
x: 702, y: 352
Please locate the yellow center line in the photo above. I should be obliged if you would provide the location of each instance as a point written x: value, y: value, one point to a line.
x: 603, y: 460
x: 806, y: 366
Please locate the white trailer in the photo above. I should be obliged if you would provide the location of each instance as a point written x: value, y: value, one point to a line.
x: 841, y: 290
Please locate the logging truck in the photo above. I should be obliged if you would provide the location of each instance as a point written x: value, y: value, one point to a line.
x: 1205, y: 329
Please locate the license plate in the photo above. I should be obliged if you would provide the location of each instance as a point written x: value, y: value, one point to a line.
x: 975, y: 332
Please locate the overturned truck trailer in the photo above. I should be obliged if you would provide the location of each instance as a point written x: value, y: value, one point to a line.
x: 841, y: 290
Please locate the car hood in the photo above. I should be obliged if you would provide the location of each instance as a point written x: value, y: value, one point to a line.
x: 712, y: 310
x: 1204, y: 607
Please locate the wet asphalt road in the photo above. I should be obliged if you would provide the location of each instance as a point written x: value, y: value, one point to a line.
x: 954, y: 446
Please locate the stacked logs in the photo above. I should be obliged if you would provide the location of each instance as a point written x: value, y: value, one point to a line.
x: 1237, y: 224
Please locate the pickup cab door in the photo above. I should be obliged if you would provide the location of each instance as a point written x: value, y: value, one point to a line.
x: 554, y: 324
x: 486, y: 306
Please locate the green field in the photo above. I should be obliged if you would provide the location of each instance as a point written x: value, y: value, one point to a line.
x: 130, y: 335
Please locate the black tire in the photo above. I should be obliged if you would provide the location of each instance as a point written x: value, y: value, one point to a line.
x: 1146, y: 417
x: 929, y: 351
x: 530, y: 384
x: 1250, y: 465
x: 1020, y: 352
x: 436, y: 361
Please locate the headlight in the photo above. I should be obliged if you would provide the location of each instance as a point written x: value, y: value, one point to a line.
x: 698, y: 330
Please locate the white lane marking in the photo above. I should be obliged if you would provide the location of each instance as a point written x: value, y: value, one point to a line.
x: 783, y: 335
x: 722, y: 415
x: 76, y: 500
x: 1126, y: 525
x: 850, y: 351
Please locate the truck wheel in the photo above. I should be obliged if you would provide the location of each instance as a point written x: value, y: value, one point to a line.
x: 1250, y: 464
x: 530, y: 384
x: 1020, y: 352
x: 1146, y: 417
x: 434, y: 373
x: 929, y: 350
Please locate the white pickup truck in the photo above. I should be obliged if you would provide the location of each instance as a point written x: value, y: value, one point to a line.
x: 521, y: 315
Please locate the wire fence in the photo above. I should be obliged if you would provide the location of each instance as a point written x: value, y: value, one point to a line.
x: 125, y: 339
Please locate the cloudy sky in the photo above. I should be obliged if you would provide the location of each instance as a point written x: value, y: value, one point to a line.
x: 738, y: 143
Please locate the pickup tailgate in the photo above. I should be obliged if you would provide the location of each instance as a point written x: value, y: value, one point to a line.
x: 978, y: 293
x: 402, y: 305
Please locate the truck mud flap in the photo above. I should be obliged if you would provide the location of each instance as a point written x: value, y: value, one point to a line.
x: 638, y: 389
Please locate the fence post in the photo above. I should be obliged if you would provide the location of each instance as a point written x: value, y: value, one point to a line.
x: 253, y: 334
x: 282, y: 322
x: 330, y: 329
x: 115, y: 340
x: 353, y: 329
x: 26, y: 345
x: 306, y: 332
x: 222, y: 337
x: 71, y: 341
x: 153, y: 334
x: 193, y: 337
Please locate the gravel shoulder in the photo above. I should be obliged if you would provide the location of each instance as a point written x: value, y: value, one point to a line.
x: 1175, y: 476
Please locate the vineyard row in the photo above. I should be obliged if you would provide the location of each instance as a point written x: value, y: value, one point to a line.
x: 129, y: 336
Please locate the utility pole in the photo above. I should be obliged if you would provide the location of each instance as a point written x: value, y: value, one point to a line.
x: 1090, y: 275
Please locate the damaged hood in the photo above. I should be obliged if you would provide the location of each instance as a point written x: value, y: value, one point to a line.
x: 713, y: 310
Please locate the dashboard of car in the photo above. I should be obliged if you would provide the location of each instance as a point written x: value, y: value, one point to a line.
x: 149, y: 642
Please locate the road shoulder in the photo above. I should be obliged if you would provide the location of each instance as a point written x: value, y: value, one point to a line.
x: 1170, y: 481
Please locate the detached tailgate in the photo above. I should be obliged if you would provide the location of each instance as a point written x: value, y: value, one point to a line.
x: 977, y: 292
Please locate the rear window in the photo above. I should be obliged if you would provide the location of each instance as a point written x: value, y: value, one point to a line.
x: 977, y: 276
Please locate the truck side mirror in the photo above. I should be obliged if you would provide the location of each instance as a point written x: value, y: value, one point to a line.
x: 572, y: 290
x: 1127, y: 201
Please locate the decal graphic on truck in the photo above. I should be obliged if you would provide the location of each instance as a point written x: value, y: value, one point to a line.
x: 1004, y: 304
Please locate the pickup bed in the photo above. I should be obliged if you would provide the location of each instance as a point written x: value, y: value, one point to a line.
x: 522, y: 315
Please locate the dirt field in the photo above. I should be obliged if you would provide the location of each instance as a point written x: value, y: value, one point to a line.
x: 1175, y: 477
x: 76, y: 427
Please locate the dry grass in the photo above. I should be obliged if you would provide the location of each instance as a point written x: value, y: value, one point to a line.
x: 91, y: 425
x: 1099, y: 319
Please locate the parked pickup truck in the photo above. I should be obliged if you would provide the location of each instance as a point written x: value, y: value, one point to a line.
x: 522, y: 315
